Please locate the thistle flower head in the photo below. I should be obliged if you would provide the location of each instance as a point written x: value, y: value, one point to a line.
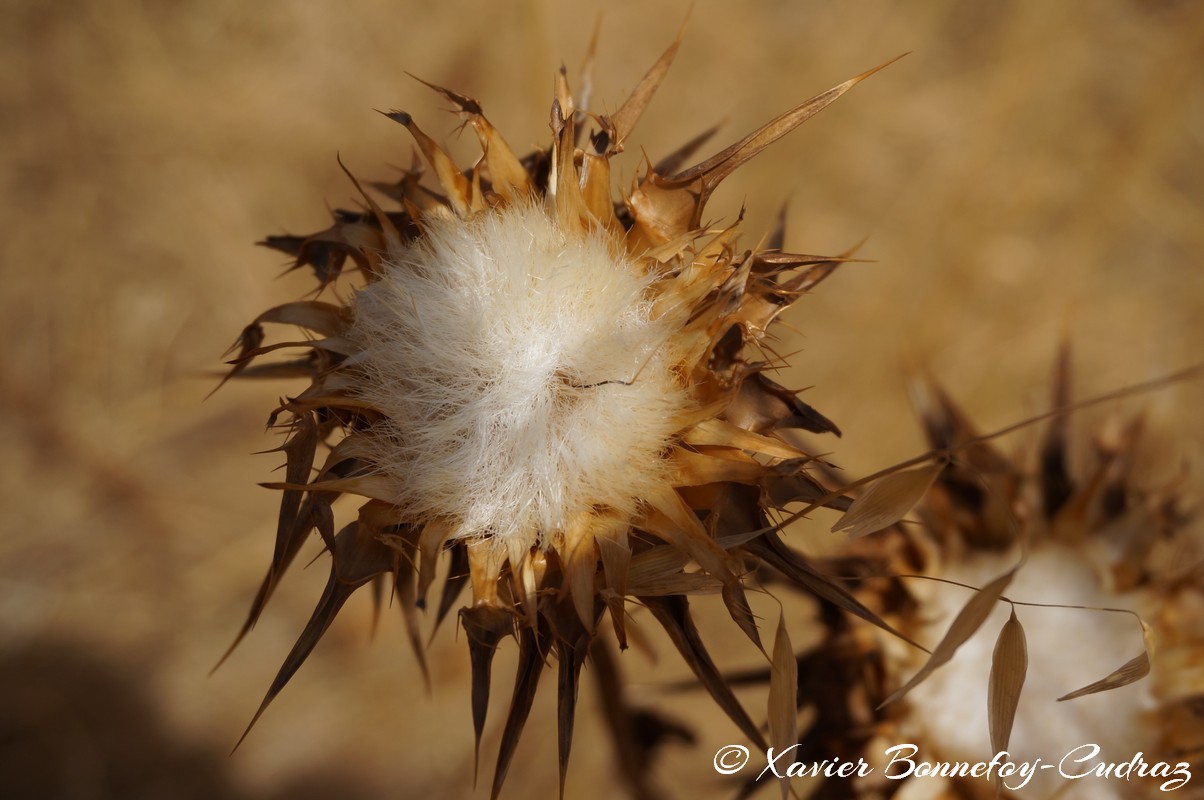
x: 562, y: 394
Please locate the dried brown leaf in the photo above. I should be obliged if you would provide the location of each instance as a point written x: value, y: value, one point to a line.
x: 659, y: 571
x: 673, y: 613
x: 723, y: 433
x: 672, y: 162
x: 887, y: 501
x: 1131, y: 671
x: 968, y: 620
x: 736, y: 601
x: 710, y: 173
x: 568, y: 680
x: 1009, y: 665
x: 392, y: 237
x: 684, y: 583
x: 595, y: 191
x: 572, y: 645
x: 615, y: 553
x: 669, y: 518
x: 565, y: 181
x: 325, y: 253
x: 696, y: 469
x: 1057, y: 486
x: 506, y: 172
x: 794, y: 567
x: 308, y: 366
x: 795, y: 486
x: 430, y: 544
x: 761, y: 406
x: 357, y: 557
x: 662, y: 216
x: 783, y: 695
x: 453, y: 181
x: 629, y: 113
x: 457, y: 577
x: 407, y: 599
x: 375, y: 487
x: 484, y: 627
x: 532, y: 649
x: 297, y: 517
x: 383, y: 522
x: 324, y: 318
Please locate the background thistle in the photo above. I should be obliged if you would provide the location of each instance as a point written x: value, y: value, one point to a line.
x: 1017, y: 165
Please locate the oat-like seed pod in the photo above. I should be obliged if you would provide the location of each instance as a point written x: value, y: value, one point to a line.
x: 562, y: 394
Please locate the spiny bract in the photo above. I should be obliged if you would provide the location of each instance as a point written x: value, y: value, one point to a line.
x: 562, y: 394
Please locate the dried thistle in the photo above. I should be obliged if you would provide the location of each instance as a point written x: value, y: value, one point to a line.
x: 1104, y: 538
x: 1102, y: 542
x: 563, y: 395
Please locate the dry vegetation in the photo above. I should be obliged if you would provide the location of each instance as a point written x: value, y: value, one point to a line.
x: 1029, y: 170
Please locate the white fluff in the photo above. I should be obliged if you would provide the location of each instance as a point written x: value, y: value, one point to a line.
x: 498, y: 348
x: 1067, y: 648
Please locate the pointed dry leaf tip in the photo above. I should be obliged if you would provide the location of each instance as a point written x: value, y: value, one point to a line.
x: 783, y: 695
x: 356, y: 558
x: 392, y: 236
x: 464, y: 104
x: 887, y: 501
x: 1057, y: 487
x: 580, y: 564
x: 710, y: 173
x: 1009, y: 666
x: 531, y: 653
x: 625, y: 119
x: 484, y: 627
x: 673, y: 613
x: 794, y: 567
x: 507, y: 175
x: 615, y: 553
x: 571, y: 208
x: 673, y: 162
x: 1131, y: 671
x: 457, y: 578
x: 451, y: 179
x: 297, y: 517
x: 324, y: 318
x: 968, y: 621
x: 572, y: 645
x: 587, y: 63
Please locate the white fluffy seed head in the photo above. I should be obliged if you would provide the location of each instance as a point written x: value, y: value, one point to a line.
x: 523, y: 375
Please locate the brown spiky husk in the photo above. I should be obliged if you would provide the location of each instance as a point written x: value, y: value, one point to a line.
x: 731, y: 465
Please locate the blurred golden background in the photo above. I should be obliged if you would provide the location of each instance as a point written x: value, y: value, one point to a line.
x: 1030, y: 170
